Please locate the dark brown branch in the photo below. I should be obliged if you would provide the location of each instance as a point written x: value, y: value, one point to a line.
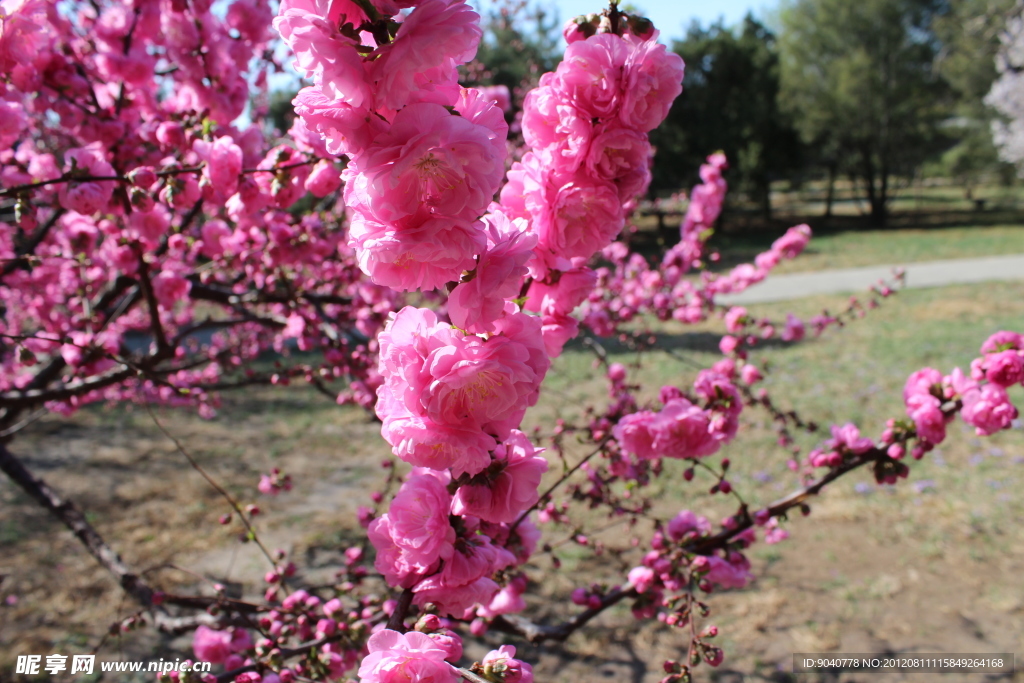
x: 470, y: 676
x: 68, y: 513
x: 285, y: 653
x: 538, y: 633
x: 30, y: 245
x: 31, y: 397
x: 220, y: 295
x: 397, y: 620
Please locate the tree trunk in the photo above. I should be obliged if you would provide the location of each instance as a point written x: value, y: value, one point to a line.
x: 765, y: 190
x: 876, y: 191
x: 830, y: 193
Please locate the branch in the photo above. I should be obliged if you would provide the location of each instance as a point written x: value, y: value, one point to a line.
x: 397, y: 619
x: 469, y: 675
x: 67, y: 512
x: 207, y: 292
x: 286, y: 653
x: 561, y: 480
x: 31, y: 244
x: 538, y: 633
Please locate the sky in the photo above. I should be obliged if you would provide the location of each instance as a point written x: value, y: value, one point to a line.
x: 671, y: 17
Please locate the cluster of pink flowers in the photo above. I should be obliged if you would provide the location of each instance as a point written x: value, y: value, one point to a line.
x: 586, y: 130
x: 662, y: 574
x: 932, y: 401
x: 449, y: 564
x: 221, y: 647
x: 425, y: 160
x: 425, y: 155
x: 449, y: 398
x: 682, y: 429
x: 154, y: 199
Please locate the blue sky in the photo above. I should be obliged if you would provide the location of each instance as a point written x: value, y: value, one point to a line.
x: 671, y: 17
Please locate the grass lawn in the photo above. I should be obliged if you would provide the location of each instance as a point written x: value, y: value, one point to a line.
x: 942, y: 225
x: 932, y: 565
x: 850, y: 249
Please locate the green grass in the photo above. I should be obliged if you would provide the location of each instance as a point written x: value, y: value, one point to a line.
x: 928, y: 223
x: 855, y: 374
x: 851, y: 249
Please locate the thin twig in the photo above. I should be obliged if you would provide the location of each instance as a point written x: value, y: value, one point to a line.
x: 217, y: 487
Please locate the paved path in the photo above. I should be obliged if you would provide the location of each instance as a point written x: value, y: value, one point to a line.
x: 923, y: 274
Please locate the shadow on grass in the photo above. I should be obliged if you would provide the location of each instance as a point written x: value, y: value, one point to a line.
x: 702, y: 342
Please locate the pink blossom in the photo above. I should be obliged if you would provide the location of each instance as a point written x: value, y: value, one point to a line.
x: 683, y: 430
x: 750, y: 374
x: 620, y: 155
x: 430, y: 42
x: 335, y: 11
x: 922, y: 382
x: 1003, y: 340
x: 450, y: 642
x: 464, y: 580
x: 569, y: 290
x: 512, y: 483
x: 170, y: 288
x: 928, y: 417
x: 476, y: 303
x: 474, y: 106
x: 423, y: 256
x: 89, y: 196
x: 460, y: 381
x: 1004, y: 368
x: 422, y: 442
x: 12, y: 122
x: 266, y: 486
x: 415, y: 532
x: 848, y: 437
x: 346, y: 129
x: 502, y: 665
x: 635, y: 434
x: 508, y: 600
x: 651, y: 80
x: 223, y: 163
x: 793, y: 242
x: 498, y: 94
x: 326, y: 55
x: 576, y: 216
x: 731, y: 573
x: 794, y: 330
x: 590, y: 74
x: 430, y: 161
x: 728, y: 344
x: 215, y: 646
x: 396, y: 658
x: 706, y: 199
x: 642, y: 578
x: 734, y: 319
x: 686, y: 522
x: 323, y: 179
x: 552, y: 124
x: 988, y: 409
x: 679, y: 430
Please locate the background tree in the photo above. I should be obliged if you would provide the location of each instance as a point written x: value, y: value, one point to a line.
x: 1007, y: 94
x: 969, y: 32
x: 729, y: 102
x: 859, y: 78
